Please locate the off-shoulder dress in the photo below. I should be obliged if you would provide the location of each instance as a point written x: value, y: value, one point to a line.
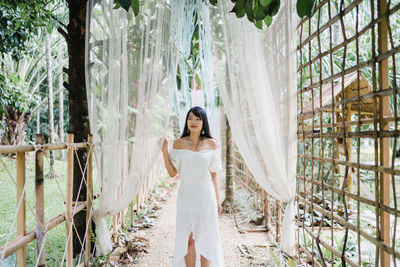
x: 197, y: 209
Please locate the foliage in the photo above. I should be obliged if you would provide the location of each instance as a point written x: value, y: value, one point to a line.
x: 259, y: 12
x: 19, y: 22
x: 13, y: 94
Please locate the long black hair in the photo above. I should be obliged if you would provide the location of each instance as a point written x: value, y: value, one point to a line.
x: 198, y: 112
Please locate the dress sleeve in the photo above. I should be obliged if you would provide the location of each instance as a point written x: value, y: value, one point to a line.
x: 175, y: 159
x: 215, y: 162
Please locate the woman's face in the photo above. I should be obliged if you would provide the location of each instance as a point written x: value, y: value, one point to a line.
x: 195, y: 124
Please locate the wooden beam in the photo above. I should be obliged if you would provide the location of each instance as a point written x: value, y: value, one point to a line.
x: 26, y: 148
x: 384, y: 142
x: 89, y: 198
x: 20, y: 242
x: 21, y: 215
x: 39, y: 203
x: 68, y: 201
x: 349, y: 146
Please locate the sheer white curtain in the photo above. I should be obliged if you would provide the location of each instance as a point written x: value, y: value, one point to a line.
x: 130, y: 70
x: 256, y: 72
x: 194, y: 16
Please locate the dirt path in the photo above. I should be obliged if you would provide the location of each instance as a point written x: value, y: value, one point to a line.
x: 162, y: 238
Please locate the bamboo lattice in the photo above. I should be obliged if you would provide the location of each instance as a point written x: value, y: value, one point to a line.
x: 348, y: 165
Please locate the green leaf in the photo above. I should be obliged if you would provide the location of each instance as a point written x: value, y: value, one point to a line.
x: 240, y: 13
x: 262, y: 12
x: 240, y: 4
x: 306, y: 8
x: 268, y: 20
x: 255, y: 10
x: 117, y: 5
x: 259, y: 24
x: 265, y: 2
x: 249, y: 10
x: 135, y: 6
x: 125, y: 4
x: 273, y: 8
x: 198, y: 79
x: 214, y: 2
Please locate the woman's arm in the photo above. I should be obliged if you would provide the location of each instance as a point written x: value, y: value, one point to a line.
x: 215, y: 182
x: 168, y: 164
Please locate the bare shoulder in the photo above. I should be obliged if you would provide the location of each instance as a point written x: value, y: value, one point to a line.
x: 178, y: 143
x: 212, y: 143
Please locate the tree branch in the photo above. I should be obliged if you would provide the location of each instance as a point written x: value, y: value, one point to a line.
x: 63, y: 33
x: 65, y: 70
x: 66, y: 85
x: 58, y: 21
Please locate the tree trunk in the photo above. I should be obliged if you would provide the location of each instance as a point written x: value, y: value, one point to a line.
x: 61, y: 104
x: 78, y: 109
x: 38, y: 119
x: 52, y: 173
x: 227, y: 204
x: 16, y: 122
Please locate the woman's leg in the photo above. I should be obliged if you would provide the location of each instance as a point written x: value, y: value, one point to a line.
x: 190, y: 257
x: 204, y: 262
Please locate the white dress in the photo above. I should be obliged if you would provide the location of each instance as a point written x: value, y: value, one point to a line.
x: 197, y: 209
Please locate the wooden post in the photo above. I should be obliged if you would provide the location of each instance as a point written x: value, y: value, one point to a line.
x: 384, y: 126
x: 21, y: 215
x: 115, y: 228
x: 227, y: 203
x: 267, y: 216
x: 278, y: 220
x: 68, y: 202
x: 39, y: 202
x: 89, y: 197
x: 349, y: 146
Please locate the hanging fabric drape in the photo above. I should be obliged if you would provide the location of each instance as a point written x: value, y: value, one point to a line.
x: 256, y: 72
x: 130, y: 71
x: 195, y: 69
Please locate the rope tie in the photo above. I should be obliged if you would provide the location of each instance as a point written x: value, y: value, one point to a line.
x: 37, y: 147
x: 72, y: 146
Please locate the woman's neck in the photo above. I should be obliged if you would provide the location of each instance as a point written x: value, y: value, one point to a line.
x: 194, y: 137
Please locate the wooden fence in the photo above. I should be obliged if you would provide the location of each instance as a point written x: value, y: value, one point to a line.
x: 348, y: 173
x: 269, y: 206
x: 24, y: 237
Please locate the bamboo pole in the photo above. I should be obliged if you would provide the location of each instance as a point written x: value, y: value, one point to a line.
x: 384, y: 142
x: 115, y: 226
x: 89, y: 197
x: 20, y: 242
x: 349, y: 181
x: 68, y: 204
x: 278, y: 220
x: 39, y: 203
x: 267, y: 215
x: 21, y: 215
x: 6, y: 149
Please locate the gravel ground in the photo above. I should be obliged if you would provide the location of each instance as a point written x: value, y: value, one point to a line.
x: 162, y: 238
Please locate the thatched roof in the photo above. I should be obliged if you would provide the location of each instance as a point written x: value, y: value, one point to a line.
x: 350, y: 86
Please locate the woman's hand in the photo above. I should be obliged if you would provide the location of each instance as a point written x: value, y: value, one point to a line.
x: 219, y: 208
x: 165, y: 146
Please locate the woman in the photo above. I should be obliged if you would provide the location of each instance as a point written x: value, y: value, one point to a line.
x: 195, y: 156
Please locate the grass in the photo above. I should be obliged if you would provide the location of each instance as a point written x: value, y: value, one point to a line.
x: 54, y: 195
